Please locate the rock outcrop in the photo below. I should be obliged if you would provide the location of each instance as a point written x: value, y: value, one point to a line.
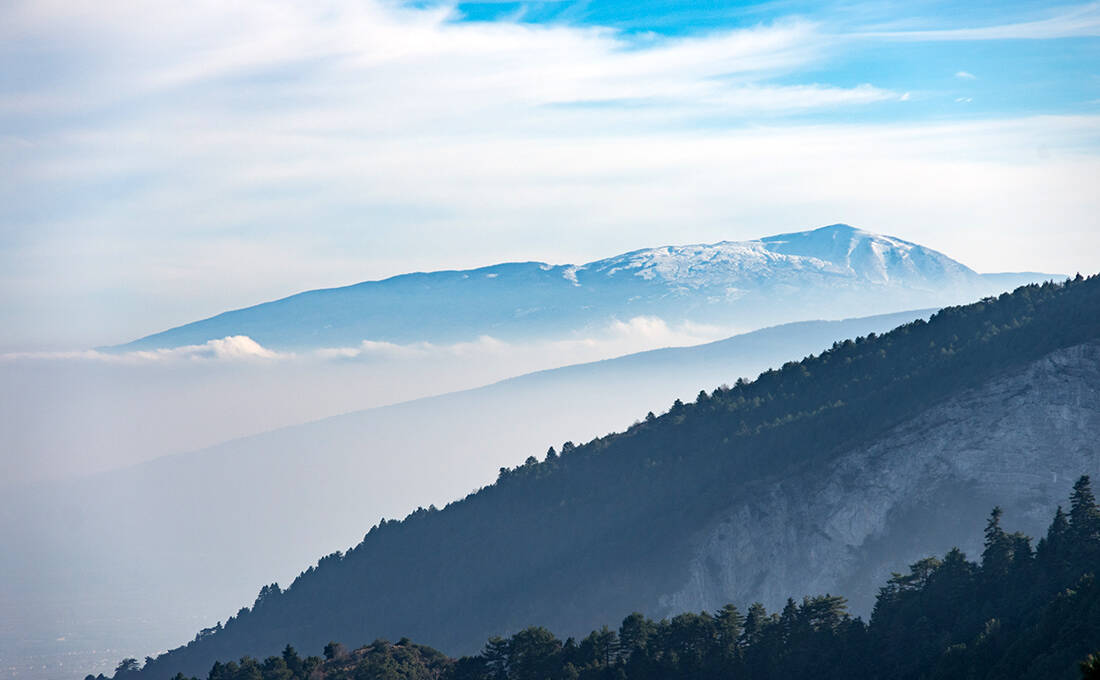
x: 1018, y: 441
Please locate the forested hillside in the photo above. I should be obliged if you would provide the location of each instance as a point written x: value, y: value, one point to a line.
x: 598, y: 530
x: 1019, y: 612
x: 200, y: 565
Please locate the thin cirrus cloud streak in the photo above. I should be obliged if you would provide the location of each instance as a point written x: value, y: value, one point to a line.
x: 1081, y: 21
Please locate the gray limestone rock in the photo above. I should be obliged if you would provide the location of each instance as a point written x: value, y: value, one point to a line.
x: 1019, y: 441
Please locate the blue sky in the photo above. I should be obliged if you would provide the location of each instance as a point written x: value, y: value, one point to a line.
x: 166, y: 161
x: 1022, y: 74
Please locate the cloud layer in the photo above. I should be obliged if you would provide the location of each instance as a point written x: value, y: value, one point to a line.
x: 619, y: 337
x: 65, y: 413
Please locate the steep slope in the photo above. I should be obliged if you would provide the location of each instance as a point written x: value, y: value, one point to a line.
x: 835, y: 271
x: 1017, y: 441
x: 170, y: 572
x: 1020, y: 612
x: 659, y: 516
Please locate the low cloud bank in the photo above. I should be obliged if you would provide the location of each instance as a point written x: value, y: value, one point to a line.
x: 232, y: 348
x: 71, y: 413
x: 638, y: 333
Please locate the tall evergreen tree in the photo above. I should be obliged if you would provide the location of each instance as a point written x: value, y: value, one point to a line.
x: 997, y: 555
x: 1084, y: 516
x: 756, y: 621
x: 635, y: 634
x: 496, y: 655
x: 1057, y: 535
x: 729, y: 624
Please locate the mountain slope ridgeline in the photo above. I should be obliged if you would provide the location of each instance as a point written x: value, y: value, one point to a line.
x: 835, y: 272
x: 653, y: 518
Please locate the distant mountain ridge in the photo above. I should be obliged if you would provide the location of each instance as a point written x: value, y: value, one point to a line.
x: 835, y: 272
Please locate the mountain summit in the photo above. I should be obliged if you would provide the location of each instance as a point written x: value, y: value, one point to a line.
x: 833, y: 272
x: 837, y: 253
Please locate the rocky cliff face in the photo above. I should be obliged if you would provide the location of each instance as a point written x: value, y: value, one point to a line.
x: 1019, y: 441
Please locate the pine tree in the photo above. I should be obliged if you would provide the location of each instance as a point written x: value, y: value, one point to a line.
x: 601, y: 647
x: 997, y: 555
x: 1084, y: 516
x: 634, y: 635
x: 787, y: 619
x: 756, y: 621
x: 1054, y: 542
x: 532, y: 653
x: 729, y: 624
x: 496, y: 655
x: 292, y: 660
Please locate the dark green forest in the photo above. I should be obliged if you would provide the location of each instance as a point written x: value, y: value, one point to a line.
x: 599, y: 529
x: 1019, y: 612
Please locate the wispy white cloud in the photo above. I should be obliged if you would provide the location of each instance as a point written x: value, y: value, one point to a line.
x: 618, y: 337
x: 356, y: 62
x: 615, y: 338
x: 965, y: 75
x: 1080, y: 21
x: 230, y: 348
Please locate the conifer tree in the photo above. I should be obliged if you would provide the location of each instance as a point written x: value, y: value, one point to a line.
x: 729, y: 625
x: 998, y: 547
x: 755, y: 622
x: 1084, y: 516
x: 496, y: 656
x: 634, y: 635
x: 1057, y: 535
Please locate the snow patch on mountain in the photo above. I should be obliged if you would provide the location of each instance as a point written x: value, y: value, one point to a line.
x: 838, y: 251
x: 836, y: 271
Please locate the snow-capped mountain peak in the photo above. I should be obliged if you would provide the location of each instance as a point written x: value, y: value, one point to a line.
x: 832, y: 272
x: 837, y: 251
